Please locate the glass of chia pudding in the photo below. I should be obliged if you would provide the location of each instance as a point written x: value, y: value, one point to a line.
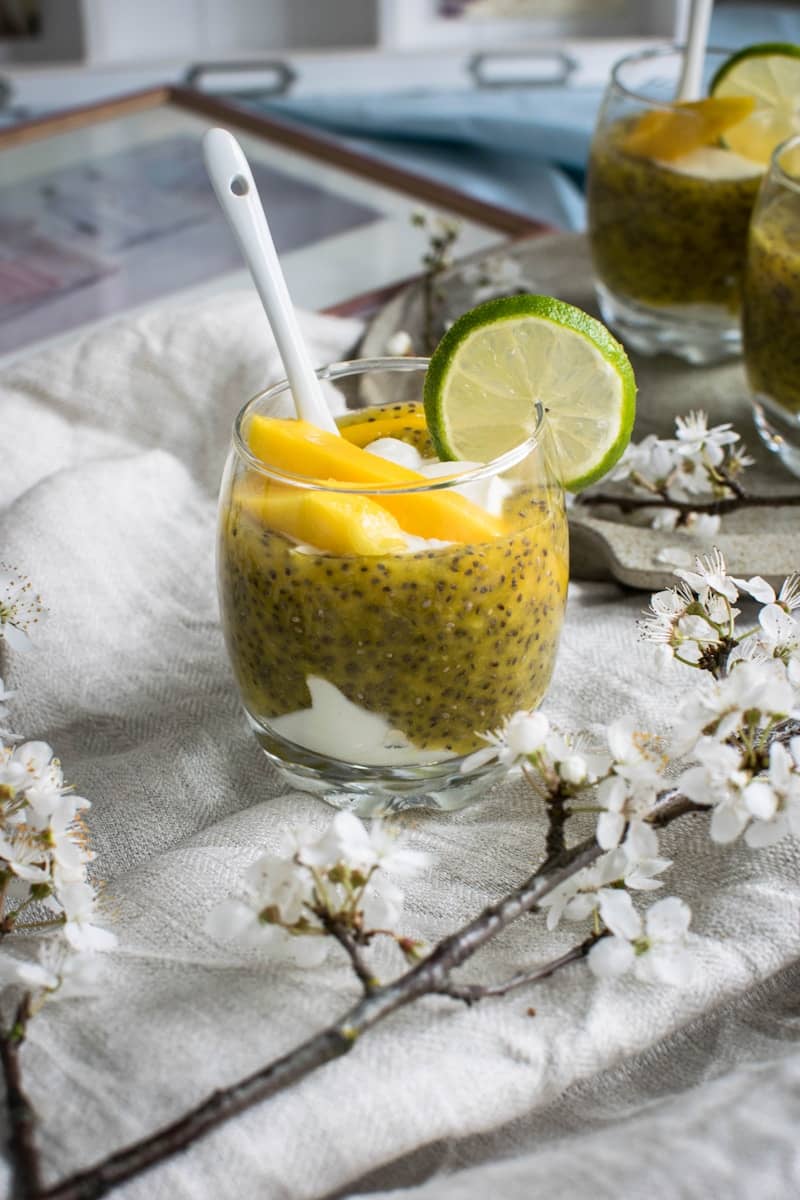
x: 381, y: 608
x: 771, y: 308
x: 667, y: 216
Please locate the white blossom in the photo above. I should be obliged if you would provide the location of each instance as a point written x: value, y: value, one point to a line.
x: 710, y: 573
x: 522, y: 734
x: 79, y: 902
x: 349, y: 841
x: 718, y: 781
x: 20, y: 608
x: 495, y: 275
x: 580, y: 895
x: 718, y: 706
x: 779, y: 635
x: 655, y: 949
x: 24, y: 857
x: 288, y: 898
x: 400, y: 344
x: 629, y: 793
x: 60, y: 974
x: 695, y: 438
x: 789, y: 595
x: 681, y: 625
x: 21, y: 768
x: 702, y: 525
x: 697, y: 462
x: 653, y: 460
x: 239, y: 920
x: 773, y: 799
x: 574, y: 758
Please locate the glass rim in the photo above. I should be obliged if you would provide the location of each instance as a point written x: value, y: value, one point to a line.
x: 652, y: 53
x: 781, y: 175
x: 362, y: 366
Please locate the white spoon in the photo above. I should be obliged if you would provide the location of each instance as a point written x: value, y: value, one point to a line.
x: 236, y: 191
x: 690, y: 84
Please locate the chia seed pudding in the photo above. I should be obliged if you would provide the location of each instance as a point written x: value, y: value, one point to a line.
x: 442, y: 641
x: 669, y: 234
x: 771, y: 313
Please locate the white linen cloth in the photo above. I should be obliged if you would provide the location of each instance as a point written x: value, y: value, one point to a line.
x: 112, y: 446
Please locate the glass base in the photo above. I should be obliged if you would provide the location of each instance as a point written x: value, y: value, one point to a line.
x: 779, y: 430
x: 699, y: 334
x: 375, y: 790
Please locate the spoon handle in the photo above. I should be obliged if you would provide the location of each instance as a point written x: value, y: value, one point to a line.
x: 237, y: 193
x: 689, y: 86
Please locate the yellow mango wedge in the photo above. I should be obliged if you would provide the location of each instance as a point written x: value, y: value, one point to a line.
x: 361, y: 433
x: 302, y: 449
x: 670, y: 134
x: 335, y: 522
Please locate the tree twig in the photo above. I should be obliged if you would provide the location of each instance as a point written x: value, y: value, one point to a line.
x: 21, y: 1117
x: 347, y: 941
x: 715, y: 507
x: 431, y: 976
x: 787, y: 730
x: 557, y: 816
x: 470, y: 993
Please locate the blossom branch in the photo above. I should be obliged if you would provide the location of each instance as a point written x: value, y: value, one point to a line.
x: 688, y: 481
x: 22, y: 1119
x: 716, y: 508
x: 429, y: 977
x: 742, y: 728
x: 442, y: 235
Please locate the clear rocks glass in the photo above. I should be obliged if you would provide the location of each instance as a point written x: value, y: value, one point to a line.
x: 771, y: 309
x: 368, y: 669
x: 668, y: 238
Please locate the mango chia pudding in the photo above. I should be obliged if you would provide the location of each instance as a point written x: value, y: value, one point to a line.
x: 392, y: 584
x: 680, y: 147
x: 669, y: 232
x: 386, y: 627
x: 771, y: 316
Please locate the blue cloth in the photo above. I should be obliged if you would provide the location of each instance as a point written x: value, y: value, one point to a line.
x: 522, y: 148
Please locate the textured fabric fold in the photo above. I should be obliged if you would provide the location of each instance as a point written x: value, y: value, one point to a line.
x: 112, y: 450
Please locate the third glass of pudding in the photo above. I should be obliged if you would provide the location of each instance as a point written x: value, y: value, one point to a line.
x: 771, y: 311
x: 381, y: 608
x: 668, y: 211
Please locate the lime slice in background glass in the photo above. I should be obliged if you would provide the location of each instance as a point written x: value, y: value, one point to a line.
x: 497, y: 360
x: 770, y: 73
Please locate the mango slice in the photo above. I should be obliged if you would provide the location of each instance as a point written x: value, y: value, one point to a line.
x: 361, y: 432
x: 303, y: 449
x: 670, y: 134
x: 331, y: 521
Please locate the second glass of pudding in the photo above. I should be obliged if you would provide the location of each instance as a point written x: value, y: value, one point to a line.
x: 380, y: 613
x: 667, y: 228
x: 771, y: 312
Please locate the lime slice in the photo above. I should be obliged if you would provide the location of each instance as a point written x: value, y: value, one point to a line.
x: 770, y: 73
x: 497, y: 360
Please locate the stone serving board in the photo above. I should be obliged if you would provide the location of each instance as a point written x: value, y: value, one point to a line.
x: 604, y: 545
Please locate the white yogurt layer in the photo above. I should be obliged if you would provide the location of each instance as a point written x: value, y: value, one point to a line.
x: 713, y: 162
x: 489, y: 494
x: 336, y: 727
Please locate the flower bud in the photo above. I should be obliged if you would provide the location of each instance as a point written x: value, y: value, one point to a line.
x: 573, y: 769
x: 526, y: 732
